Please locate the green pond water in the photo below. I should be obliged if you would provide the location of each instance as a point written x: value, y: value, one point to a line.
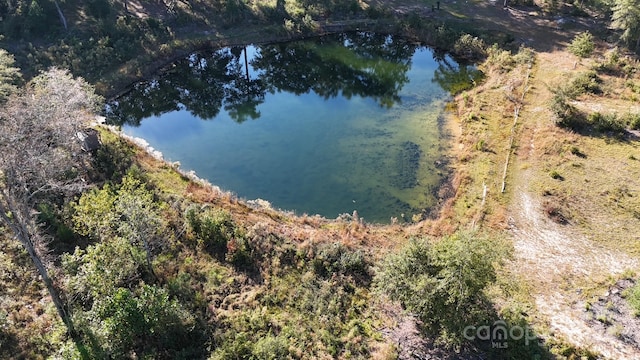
x: 321, y: 126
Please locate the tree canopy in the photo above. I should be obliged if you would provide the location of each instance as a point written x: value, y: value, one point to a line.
x: 10, y: 75
x: 626, y: 17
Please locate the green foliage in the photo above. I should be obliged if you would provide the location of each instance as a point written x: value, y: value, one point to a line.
x: 555, y: 175
x: 626, y: 17
x: 582, y: 45
x: 113, y: 158
x: 604, y: 123
x: 338, y: 259
x: 127, y: 210
x: 443, y: 283
x: 94, y: 213
x: 99, y: 269
x: 117, y: 314
x: 52, y: 219
x: 633, y: 121
x: 504, y: 61
x: 632, y: 295
x: 10, y: 75
x: 566, y: 115
x: 146, y: 320
x: 271, y: 348
x: 144, y: 323
x: 470, y: 47
x: 585, y: 82
x: 213, y: 229
x: 24, y: 18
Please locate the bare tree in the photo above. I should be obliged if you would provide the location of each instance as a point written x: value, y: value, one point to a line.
x: 40, y: 158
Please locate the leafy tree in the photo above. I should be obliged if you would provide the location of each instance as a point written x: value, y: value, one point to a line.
x: 100, y: 269
x: 9, y: 75
x: 128, y: 212
x: 626, y: 17
x: 118, y: 314
x: 145, y: 321
x: 442, y: 283
x: 41, y: 159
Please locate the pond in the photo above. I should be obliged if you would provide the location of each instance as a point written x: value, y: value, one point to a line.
x: 321, y: 126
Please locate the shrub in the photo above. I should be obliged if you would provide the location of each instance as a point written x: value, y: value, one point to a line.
x: 212, y: 228
x: 566, y: 115
x: 606, y: 123
x: 499, y: 59
x: 338, y: 259
x: 586, y: 82
x: 470, y: 47
x: 145, y: 322
x: 633, y: 121
x: 524, y: 56
x: 632, y: 295
x: 443, y: 283
x: 556, y: 175
x: 582, y: 45
x: 271, y: 347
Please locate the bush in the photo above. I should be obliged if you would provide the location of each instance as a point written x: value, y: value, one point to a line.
x: 582, y: 45
x: 586, y: 82
x: 212, y: 228
x: 145, y: 323
x: 606, y: 123
x: 470, y: 47
x: 499, y: 59
x: 338, y: 259
x: 632, y: 295
x: 555, y: 175
x: 443, y: 283
x: 566, y: 115
x: 504, y: 61
x: 633, y: 121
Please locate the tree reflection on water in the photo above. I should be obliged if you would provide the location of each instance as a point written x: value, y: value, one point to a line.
x: 350, y: 64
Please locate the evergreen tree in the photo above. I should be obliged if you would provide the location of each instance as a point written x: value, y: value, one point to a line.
x: 626, y: 17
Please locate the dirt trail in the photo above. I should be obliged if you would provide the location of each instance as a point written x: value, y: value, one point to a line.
x: 548, y: 255
x: 554, y: 257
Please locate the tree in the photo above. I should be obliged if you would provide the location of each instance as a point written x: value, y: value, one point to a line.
x: 10, y: 75
x: 128, y: 212
x: 41, y: 160
x: 626, y: 17
x: 582, y: 45
x: 442, y: 283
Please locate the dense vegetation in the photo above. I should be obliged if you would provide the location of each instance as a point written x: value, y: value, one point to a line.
x: 112, y: 255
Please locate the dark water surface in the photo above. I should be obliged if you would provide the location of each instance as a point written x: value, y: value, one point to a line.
x: 328, y: 125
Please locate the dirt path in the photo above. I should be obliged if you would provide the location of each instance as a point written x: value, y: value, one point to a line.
x: 549, y: 256
x: 555, y: 258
